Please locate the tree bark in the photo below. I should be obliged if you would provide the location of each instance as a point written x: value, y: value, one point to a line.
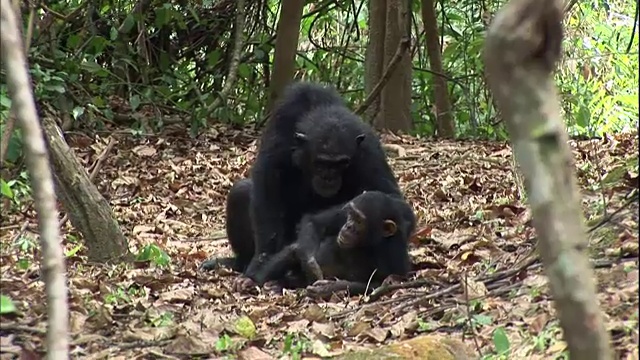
x: 396, y: 96
x: 445, y: 125
x: 88, y: 210
x: 374, y: 55
x: 284, y: 58
x: 523, y: 45
x: 53, y: 265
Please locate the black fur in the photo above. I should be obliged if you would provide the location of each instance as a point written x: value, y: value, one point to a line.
x: 310, y: 123
x: 371, y: 255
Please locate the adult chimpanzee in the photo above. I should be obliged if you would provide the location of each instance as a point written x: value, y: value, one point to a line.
x: 365, y: 239
x: 314, y: 154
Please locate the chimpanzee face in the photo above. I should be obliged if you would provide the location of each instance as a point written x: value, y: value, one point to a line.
x: 324, y: 160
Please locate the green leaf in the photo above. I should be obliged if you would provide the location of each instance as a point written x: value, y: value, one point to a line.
x: 113, y: 33
x: 77, y: 112
x: 5, y: 189
x: 245, y: 327
x: 73, y: 251
x: 98, y: 43
x: 23, y: 264
x: 213, y: 58
x: 5, y: 101
x: 615, y: 175
x: 501, y: 341
x: 244, y: 71
x: 134, y: 101
x: 73, y: 41
x: 6, y: 305
x: 482, y: 319
x: 128, y: 24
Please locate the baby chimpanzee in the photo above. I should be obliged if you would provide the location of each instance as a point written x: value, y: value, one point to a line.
x: 365, y: 239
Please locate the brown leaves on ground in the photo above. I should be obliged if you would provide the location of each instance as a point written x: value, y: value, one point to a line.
x: 474, y: 250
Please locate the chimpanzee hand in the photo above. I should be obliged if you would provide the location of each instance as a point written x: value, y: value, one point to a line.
x: 244, y: 284
x: 273, y: 286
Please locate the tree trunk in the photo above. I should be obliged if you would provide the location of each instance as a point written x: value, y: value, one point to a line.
x: 445, y: 125
x: 396, y: 96
x: 53, y: 265
x: 374, y: 55
x: 284, y: 58
x: 521, y: 50
x: 88, y: 211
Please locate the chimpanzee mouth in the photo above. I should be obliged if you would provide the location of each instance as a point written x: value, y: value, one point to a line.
x: 341, y: 240
x: 344, y: 241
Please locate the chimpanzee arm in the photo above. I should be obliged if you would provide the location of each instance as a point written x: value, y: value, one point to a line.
x: 267, y: 216
x: 277, y: 265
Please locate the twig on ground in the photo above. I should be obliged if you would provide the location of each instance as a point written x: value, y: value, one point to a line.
x: 22, y: 328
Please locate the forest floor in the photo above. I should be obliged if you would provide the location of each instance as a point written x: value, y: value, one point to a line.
x: 170, y: 189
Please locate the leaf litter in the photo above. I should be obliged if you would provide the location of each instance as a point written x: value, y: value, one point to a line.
x: 474, y: 250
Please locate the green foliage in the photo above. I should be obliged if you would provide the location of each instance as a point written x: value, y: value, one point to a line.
x: 162, y: 320
x: 107, y: 64
x: 245, y: 327
x: 6, y: 305
x: 154, y: 254
x: 501, y: 341
x: 17, y: 190
x: 295, y: 345
x: 224, y: 344
x: 598, y: 78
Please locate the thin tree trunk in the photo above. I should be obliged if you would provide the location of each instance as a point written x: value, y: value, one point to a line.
x: 445, y: 125
x: 374, y: 56
x: 396, y: 95
x: 523, y: 45
x: 284, y: 58
x: 53, y: 265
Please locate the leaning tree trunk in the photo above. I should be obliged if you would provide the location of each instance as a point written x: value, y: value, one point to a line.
x: 523, y: 45
x: 444, y: 121
x: 88, y: 210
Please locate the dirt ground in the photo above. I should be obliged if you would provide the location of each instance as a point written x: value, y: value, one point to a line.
x: 169, y: 190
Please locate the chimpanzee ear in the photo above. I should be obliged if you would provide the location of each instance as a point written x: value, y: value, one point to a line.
x: 359, y: 139
x: 389, y: 228
x: 300, y: 138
